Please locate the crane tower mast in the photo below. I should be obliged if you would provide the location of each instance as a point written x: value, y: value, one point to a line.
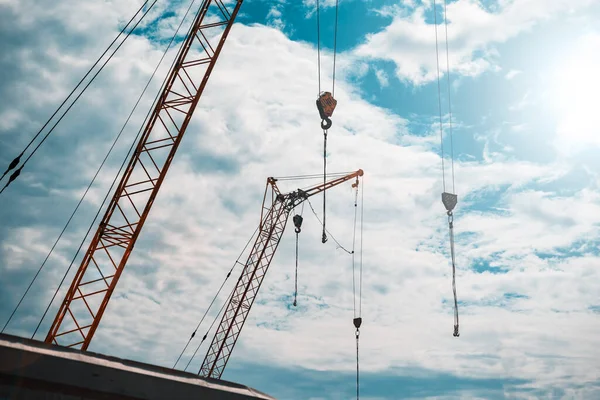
x: 95, y: 281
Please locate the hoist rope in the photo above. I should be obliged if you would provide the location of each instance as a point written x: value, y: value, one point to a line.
x: 449, y: 97
x: 357, y: 316
x: 354, y: 253
x: 131, y: 148
x: 357, y: 367
x: 451, y: 227
x: 362, y: 202
x: 18, y: 171
x: 324, y: 236
x: 297, y: 240
x: 319, y: 46
x: 237, y: 261
x: 439, y: 95
x: 296, y: 274
x: 451, y: 204
x: 335, y: 46
x: 16, y: 161
x: 329, y: 233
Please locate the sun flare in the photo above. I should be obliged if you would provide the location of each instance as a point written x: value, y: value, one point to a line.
x: 577, y: 92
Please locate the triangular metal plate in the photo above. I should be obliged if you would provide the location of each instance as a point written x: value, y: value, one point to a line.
x: 449, y: 200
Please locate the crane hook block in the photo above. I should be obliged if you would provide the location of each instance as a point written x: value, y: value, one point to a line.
x: 449, y: 201
x: 298, y: 222
x: 326, y: 104
x: 357, y: 322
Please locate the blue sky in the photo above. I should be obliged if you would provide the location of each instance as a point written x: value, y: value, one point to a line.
x: 523, y: 86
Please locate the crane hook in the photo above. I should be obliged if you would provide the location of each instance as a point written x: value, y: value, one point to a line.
x: 298, y: 222
x: 326, y: 104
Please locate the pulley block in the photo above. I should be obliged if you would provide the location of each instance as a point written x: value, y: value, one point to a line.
x: 449, y: 200
x: 298, y: 222
x: 326, y: 104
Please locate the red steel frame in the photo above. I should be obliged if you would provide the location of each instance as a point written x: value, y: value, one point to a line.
x: 272, y: 225
x: 96, y: 279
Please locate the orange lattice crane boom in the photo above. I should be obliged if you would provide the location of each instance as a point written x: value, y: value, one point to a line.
x: 276, y: 208
x: 95, y: 281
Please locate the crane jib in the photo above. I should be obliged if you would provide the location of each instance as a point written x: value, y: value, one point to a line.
x: 104, y: 261
x: 271, y: 228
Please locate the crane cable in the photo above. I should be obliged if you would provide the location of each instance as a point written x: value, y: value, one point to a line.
x: 325, y: 121
x: 339, y: 246
x: 448, y: 199
x: 227, y: 301
x: 298, y: 219
x: 131, y: 148
x: 213, y: 301
x: 357, y: 321
x: 16, y: 161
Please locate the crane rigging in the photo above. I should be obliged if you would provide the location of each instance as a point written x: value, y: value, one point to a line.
x: 85, y: 302
x: 449, y: 199
x: 147, y: 6
x: 326, y: 103
x: 275, y: 211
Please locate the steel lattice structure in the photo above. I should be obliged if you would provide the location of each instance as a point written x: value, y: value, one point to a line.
x: 103, y: 263
x: 274, y: 218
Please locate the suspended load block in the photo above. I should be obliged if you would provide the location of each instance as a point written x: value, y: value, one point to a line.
x: 449, y: 200
x: 326, y: 104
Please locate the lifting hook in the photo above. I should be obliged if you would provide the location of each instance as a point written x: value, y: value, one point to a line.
x: 326, y: 104
x: 298, y: 222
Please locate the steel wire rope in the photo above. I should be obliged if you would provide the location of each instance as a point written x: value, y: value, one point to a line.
x: 335, y: 46
x: 209, y: 329
x: 357, y: 317
x: 17, y: 159
x: 329, y: 233
x: 357, y: 368
x: 319, y: 46
x: 237, y: 261
x: 125, y: 159
x: 362, y: 209
x: 296, y: 272
x: 439, y: 94
x: 89, y: 186
x: 353, y: 254
x: 18, y: 171
x: 451, y: 222
x: 449, y: 206
x: 305, y: 188
x: 325, y: 128
x: 449, y: 96
x: 324, y: 236
x: 313, y: 176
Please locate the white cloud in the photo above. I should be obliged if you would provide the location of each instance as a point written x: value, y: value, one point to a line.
x: 511, y: 74
x: 257, y: 118
x: 382, y: 77
x: 409, y: 40
x: 274, y: 17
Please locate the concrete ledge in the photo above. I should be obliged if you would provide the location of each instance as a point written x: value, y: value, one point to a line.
x: 35, y: 370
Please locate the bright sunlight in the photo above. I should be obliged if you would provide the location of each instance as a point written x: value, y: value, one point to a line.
x: 576, y: 94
